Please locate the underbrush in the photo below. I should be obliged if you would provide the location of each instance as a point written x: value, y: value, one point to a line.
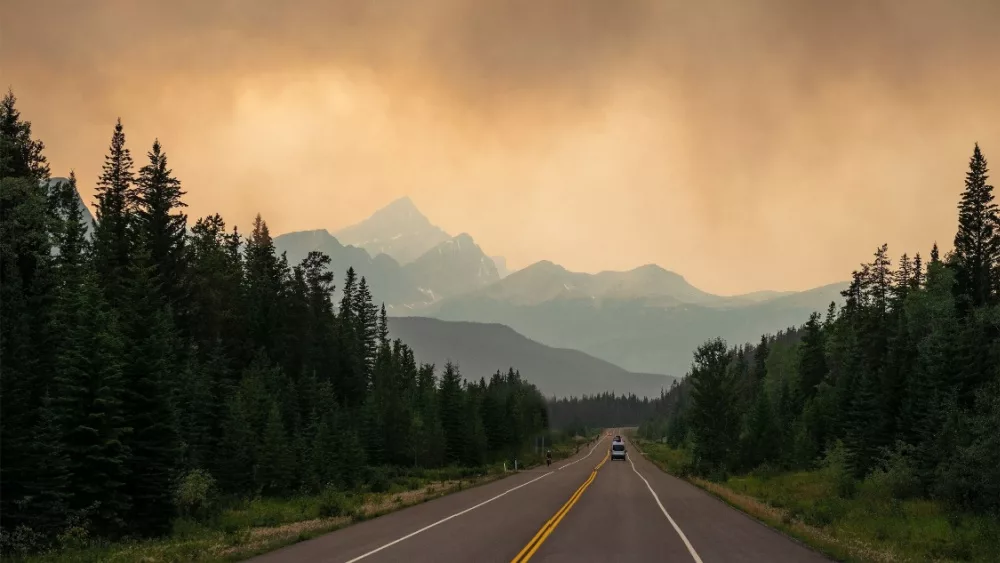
x: 214, y: 528
x: 242, y: 527
x: 875, y: 519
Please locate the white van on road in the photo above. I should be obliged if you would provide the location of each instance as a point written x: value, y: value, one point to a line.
x: 618, y: 450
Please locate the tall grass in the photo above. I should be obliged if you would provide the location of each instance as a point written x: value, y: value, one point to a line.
x: 851, y: 520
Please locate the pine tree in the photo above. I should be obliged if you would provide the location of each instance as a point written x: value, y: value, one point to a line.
x: 88, y: 375
x: 91, y: 390
x: 45, y: 507
x: 20, y: 154
x: 918, y: 273
x: 451, y: 412
x: 149, y: 371
x: 215, y: 274
x: 264, y: 280
x: 366, y: 329
x: 351, y: 383
x: 199, y: 422
x: 115, y: 216
x: 713, y: 418
x: 812, y: 357
x: 977, y: 242
x: 235, y: 463
x: 26, y: 287
x: 866, y: 434
x: 157, y: 201
x: 325, y: 451
x: 351, y: 455
x: 275, y: 460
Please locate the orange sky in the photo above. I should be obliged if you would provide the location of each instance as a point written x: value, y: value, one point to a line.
x: 746, y: 144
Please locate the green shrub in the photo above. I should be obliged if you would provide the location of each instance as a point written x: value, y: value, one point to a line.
x: 837, y: 468
x: 379, y: 479
x: 894, y: 476
x: 19, y: 542
x: 195, y: 495
x: 333, y: 503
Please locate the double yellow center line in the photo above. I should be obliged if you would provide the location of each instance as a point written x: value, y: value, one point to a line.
x: 546, y: 530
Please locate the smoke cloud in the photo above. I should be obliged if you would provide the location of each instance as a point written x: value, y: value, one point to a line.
x: 746, y: 144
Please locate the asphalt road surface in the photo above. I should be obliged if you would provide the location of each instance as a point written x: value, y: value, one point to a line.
x: 586, y: 508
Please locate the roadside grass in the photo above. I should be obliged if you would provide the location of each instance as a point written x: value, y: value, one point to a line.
x: 248, y: 527
x: 863, y: 524
x: 244, y: 528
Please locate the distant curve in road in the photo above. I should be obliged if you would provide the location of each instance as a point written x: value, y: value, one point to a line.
x: 587, y: 508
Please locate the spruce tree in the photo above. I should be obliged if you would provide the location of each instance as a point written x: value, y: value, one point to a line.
x: 26, y: 278
x: 113, y: 244
x: 812, y: 357
x: 20, y: 154
x: 977, y: 242
x: 275, y: 460
x: 45, y: 507
x: 452, y: 412
x: 91, y: 391
x: 88, y: 370
x: 264, y: 281
x: 366, y: 329
x: 918, y: 273
x: 157, y: 201
x: 150, y: 371
x: 235, y: 463
x: 713, y: 418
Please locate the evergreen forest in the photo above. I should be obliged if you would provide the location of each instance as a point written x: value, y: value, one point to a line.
x: 149, y: 352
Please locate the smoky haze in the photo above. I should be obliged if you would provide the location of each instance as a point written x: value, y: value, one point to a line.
x: 745, y: 144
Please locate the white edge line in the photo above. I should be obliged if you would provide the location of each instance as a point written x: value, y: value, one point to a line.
x: 470, y: 509
x: 677, y: 528
x: 584, y: 457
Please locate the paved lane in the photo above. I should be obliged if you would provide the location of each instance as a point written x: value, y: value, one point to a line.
x: 484, y: 524
x: 584, y: 509
x: 616, y: 519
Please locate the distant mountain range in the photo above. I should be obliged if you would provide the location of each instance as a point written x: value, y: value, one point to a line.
x: 607, y: 328
x: 481, y: 349
x: 646, y: 320
x: 641, y: 334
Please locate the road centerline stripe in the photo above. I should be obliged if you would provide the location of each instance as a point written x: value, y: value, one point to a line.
x: 470, y: 509
x: 550, y: 525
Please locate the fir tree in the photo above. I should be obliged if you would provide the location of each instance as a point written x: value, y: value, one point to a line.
x: 45, y: 507
x: 115, y: 216
x: 812, y: 357
x: 157, y: 201
x: 149, y: 372
x: 264, y: 282
x: 20, y: 154
x: 91, y: 390
x: 26, y: 287
x: 275, y: 460
x: 235, y: 464
x: 452, y: 412
x: 713, y: 417
x: 977, y: 242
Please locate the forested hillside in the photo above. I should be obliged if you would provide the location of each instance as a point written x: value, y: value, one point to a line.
x: 603, y: 410
x: 146, y: 359
x: 901, y: 382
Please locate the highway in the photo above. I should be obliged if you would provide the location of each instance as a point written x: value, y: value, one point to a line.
x: 585, y: 508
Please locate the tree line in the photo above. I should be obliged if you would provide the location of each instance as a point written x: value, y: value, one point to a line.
x: 603, y: 410
x: 903, y: 378
x: 145, y: 353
